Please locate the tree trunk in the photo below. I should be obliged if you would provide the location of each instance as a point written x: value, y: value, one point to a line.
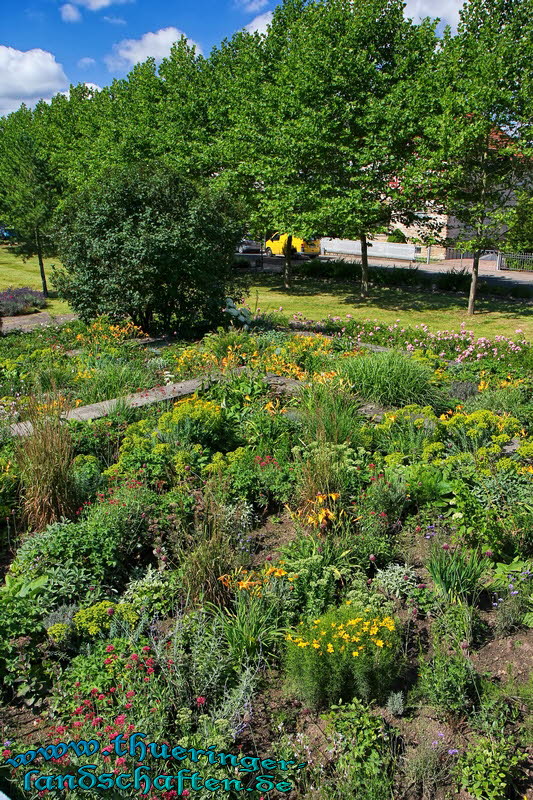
x: 364, y: 265
x: 473, y: 282
x: 39, y: 248
x: 287, y: 266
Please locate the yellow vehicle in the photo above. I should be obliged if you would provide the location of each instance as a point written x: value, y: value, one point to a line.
x: 276, y: 244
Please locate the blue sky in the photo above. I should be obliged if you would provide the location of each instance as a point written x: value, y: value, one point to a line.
x: 46, y: 45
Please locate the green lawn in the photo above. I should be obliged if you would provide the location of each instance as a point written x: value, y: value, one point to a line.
x: 15, y: 273
x: 316, y: 299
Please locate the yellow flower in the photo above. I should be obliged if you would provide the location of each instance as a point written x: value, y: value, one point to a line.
x: 378, y: 643
x: 330, y: 648
x: 355, y: 653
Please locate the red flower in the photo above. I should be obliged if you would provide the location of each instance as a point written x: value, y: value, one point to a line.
x: 110, y: 611
x: 146, y: 649
x: 372, y: 557
x: 6, y: 753
x: 113, y: 689
x: 77, y: 724
x: 107, y: 661
x: 201, y: 701
x: 94, y: 691
x: 120, y: 761
x: 120, y: 720
x: 134, y: 657
x: 131, y: 693
x: 150, y: 670
x: 109, y: 648
x: 128, y: 706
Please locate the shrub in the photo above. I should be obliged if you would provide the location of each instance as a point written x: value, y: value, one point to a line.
x: 487, y: 770
x: 109, y: 540
x: 391, y: 379
x: 179, y: 439
x: 140, y: 243
x: 20, y: 301
x: 349, y: 652
x: 362, y: 746
x: 449, y: 682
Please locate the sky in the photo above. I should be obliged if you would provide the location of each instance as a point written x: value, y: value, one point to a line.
x: 46, y: 45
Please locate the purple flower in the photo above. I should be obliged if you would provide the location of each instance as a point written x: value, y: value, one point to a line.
x: 453, y: 751
x: 515, y: 592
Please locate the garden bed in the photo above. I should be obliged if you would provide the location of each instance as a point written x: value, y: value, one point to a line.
x: 334, y: 570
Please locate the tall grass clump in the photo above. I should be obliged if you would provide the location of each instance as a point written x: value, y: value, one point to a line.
x: 456, y: 575
x: 392, y: 379
x: 44, y: 459
x: 329, y: 415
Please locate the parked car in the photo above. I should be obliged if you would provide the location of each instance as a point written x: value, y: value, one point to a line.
x: 275, y: 245
x: 247, y: 245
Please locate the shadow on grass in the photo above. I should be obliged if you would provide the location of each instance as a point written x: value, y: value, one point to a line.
x: 396, y: 299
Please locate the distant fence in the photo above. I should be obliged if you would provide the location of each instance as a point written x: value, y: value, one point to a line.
x: 522, y: 262
x: 403, y: 252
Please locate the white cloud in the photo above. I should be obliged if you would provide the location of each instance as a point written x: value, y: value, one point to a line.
x: 252, y: 6
x: 447, y: 10
x: 70, y: 13
x: 260, y: 23
x: 97, y: 5
x: 151, y: 45
x: 85, y: 63
x: 27, y: 76
x: 115, y: 20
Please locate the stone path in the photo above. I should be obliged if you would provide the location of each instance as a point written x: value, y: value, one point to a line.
x: 169, y: 392
x: 29, y: 322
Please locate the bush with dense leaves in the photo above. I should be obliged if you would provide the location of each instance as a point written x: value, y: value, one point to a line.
x: 147, y: 244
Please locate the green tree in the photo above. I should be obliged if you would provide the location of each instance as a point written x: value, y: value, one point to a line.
x: 333, y: 125
x: 143, y: 242
x: 29, y: 188
x: 476, y: 151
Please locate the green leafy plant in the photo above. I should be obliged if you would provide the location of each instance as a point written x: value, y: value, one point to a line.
x: 487, y: 770
x: 449, y: 682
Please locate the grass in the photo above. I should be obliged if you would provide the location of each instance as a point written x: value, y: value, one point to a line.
x: 14, y: 272
x: 315, y: 299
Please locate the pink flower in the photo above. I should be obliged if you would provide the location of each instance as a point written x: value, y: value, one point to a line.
x: 146, y: 649
x: 109, y: 648
x: 445, y: 546
x: 120, y: 761
x: 110, y: 611
x: 134, y: 657
x: 120, y: 720
x: 131, y: 693
x: 372, y: 557
x: 201, y: 701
